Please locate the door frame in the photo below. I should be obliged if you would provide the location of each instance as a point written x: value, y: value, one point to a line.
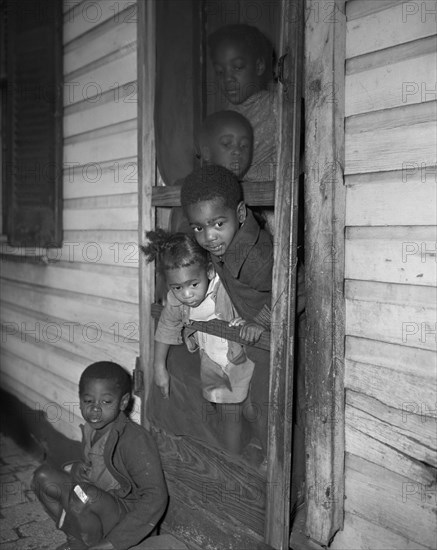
x: 323, y: 57
x: 325, y: 203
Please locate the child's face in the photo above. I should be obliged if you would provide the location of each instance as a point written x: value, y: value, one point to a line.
x: 188, y: 284
x: 215, y: 224
x: 101, y: 402
x: 239, y: 73
x: 230, y: 146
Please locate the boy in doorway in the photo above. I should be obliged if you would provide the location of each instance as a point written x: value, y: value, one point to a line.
x: 242, y: 255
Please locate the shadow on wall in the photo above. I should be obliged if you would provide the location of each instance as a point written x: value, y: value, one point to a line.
x: 30, y: 429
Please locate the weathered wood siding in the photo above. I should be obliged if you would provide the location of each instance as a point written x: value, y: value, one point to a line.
x: 80, y: 303
x: 390, y: 371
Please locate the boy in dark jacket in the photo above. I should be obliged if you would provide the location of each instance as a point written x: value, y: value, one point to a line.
x: 116, y: 495
x: 242, y: 255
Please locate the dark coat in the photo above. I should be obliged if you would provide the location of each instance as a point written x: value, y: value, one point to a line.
x: 132, y: 458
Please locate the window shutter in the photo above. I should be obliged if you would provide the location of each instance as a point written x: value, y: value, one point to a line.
x: 33, y: 175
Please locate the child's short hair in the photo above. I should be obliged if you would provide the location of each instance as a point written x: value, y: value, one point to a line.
x: 250, y: 37
x: 174, y: 250
x: 107, y: 370
x: 214, y: 122
x: 211, y: 182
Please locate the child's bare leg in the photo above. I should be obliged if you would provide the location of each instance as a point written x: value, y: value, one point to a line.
x: 231, y: 416
x: 52, y: 487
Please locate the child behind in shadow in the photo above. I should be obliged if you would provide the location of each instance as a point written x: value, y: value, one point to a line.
x: 242, y: 58
x: 225, y: 139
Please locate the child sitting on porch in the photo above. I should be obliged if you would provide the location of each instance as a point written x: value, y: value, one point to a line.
x: 242, y: 58
x: 116, y: 496
x: 196, y: 294
x: 242, y: 255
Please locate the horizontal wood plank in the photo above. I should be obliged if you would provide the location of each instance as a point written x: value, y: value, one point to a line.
x: 392, y: 85
x: 112, y: 107
x: 103, y: 40
x: 104, y: 201
x: 87, y: 86
x: 358, y: 8
x: 377, y: 25
x: 255, y: 194
x: 410, y: 430
x: 118, y: 253
x: 97, y: 315
x: 413, y: 187
x: 83, y: 17
x: 101, y: 149
x: 393, y: 145
x: 400, y: 358
x: 390, y: 386
x: 57, y: 390
x: 101, y: 236
x: 390, y: 500
x: 404, y: 255
x: 113, y: 177
x: 391, y: 56
x: 101, y: 218
x: 101, y: 133
x: 220, y: 328
x: 364, y: 445
x: 361, y: 533
x: 76, y: 339
x: 398, y: 314
x: 108, y: 285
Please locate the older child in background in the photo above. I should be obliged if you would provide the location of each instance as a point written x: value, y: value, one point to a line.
x: 114, y: 498
x: 242, y: 255
x: 196, y: 294
x: 242, y: 58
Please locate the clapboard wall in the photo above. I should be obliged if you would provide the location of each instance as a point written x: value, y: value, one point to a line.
x: 390, y: 270
x: 79, y: 304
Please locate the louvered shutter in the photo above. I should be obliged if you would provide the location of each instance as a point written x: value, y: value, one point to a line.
x: 34, y: 122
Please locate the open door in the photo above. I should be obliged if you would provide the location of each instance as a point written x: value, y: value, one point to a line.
x: 217, y: 500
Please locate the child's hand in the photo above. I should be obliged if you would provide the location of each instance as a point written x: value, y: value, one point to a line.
x: 162, y: 380
x: 79, y: 472
x: 251, y: 332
